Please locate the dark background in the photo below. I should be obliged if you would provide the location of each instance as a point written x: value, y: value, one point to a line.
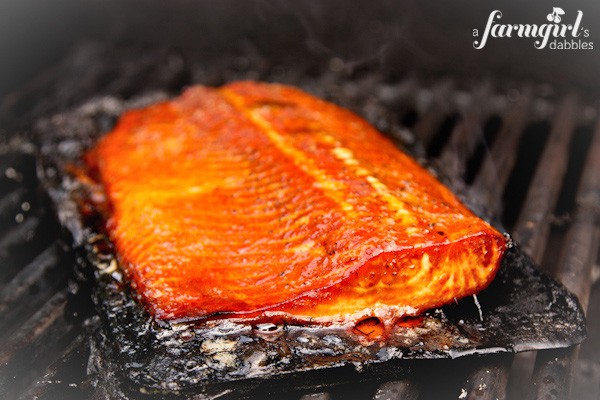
x: 395, y: 36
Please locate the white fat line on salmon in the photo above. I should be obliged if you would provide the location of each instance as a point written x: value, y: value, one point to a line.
x: 330, y: 186
x: 332, y: 189
x: 347, y: 157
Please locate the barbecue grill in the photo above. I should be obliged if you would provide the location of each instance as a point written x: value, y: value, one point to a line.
x: 521, y: 149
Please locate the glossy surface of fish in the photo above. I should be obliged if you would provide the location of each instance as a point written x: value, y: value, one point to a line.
x: 259, y: 200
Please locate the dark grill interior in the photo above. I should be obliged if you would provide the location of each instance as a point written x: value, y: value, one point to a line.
x: 524, y: 153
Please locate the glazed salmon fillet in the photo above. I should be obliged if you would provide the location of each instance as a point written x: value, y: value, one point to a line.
x: 256, y: 200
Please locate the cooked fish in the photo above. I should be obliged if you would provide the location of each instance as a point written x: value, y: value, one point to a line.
x: 260, y: 201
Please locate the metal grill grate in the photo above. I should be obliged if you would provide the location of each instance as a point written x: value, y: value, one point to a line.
x: 524, y: 155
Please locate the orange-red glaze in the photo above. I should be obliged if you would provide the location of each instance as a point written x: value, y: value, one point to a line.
x: 259, y: 200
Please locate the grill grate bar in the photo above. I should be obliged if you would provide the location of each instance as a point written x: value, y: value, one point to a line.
x: 552, y: 374
x: 432, y: 118
x: 397, y: 390
x: 30, y: 288
x: 497, y: 166
x: 32, y: 347
x: 533, y: 226
x: 18, y: 235
x: 12, y: 244
x: 489, y: 379
x: 466, y: 134
x: 488, y: 382
x: 60, y: 379
x: 553, y: 369
x: 34, y: 327
x: 12, y: 205
x: 581, y: 250
x: 20, y: 245
x: 28, y: 277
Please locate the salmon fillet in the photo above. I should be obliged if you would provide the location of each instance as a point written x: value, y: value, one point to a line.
x: 258, y: 200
